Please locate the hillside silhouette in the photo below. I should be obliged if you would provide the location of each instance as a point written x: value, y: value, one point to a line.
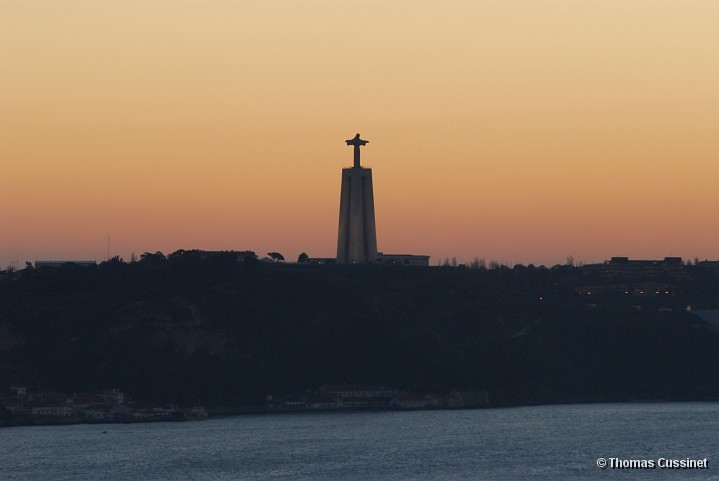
x: 186, y: 328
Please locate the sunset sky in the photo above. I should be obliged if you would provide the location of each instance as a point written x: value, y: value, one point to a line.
x: 518, y: 130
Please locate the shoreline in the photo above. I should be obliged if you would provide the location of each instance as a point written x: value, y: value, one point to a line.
x: 225, y: 412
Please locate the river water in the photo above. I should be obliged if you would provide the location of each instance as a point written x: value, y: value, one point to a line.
x: 526, y: 443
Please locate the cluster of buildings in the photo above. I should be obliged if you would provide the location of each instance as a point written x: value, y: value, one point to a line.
x: 648, y: 279
x: 354, y: 396
x: 648, y: 269
x: 105, y: 406
x: 625, y: 267
x: 645, y: 277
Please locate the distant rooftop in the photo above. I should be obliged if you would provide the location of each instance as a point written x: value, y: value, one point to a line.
x: 626, y: 260
x: 62, y: 263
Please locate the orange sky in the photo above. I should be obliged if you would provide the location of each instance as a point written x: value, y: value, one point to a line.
x: 521, y: 131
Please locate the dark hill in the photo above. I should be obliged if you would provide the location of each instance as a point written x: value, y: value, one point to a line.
x: 229, y: 333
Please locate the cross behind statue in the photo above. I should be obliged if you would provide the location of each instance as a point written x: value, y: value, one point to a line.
x: 357, y: 142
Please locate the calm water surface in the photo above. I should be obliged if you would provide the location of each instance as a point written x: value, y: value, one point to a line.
x: 544, y: 443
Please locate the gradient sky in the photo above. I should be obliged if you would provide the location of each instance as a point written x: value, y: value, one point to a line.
x: 521, y: 131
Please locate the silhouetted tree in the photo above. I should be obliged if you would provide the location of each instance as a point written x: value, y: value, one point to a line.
x: 113, y: 261
x: 250, y: 259
x: 276, y: 256
x: 478, y: 263
x: 150, y: 257
x: 303, y: 258
x: 178, y: 254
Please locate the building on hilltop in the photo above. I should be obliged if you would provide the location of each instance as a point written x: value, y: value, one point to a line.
x: 39, y: 264
x: 357, y: 236
x: 239, y: 256
x: 709, y: 265
x: 623, y: 266
x: 403, y: 259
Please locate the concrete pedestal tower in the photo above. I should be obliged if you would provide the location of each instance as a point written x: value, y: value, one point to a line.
x: 357, y: 239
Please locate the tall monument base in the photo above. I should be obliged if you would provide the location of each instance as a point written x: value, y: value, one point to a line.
x: 357, y: 239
